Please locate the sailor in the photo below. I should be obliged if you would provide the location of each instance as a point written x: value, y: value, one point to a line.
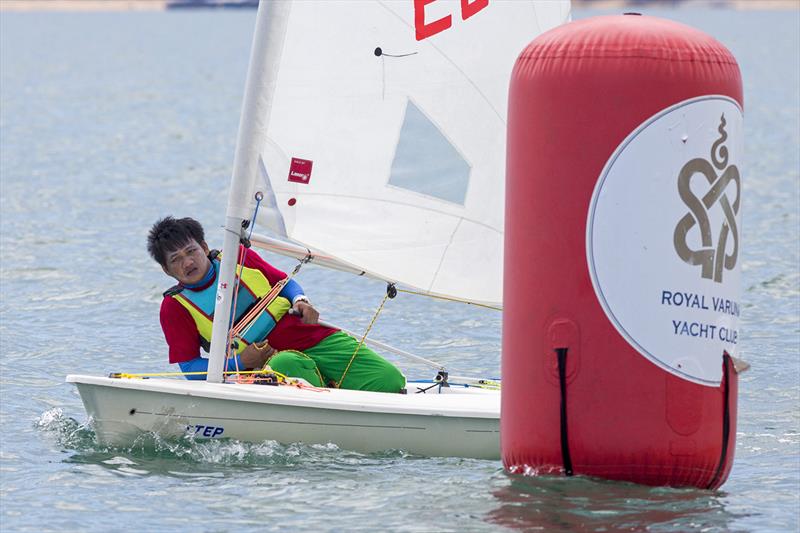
x: 293, y: 343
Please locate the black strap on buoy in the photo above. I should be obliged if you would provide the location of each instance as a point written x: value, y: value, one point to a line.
x: 561, y: 353
x: 726, y: 418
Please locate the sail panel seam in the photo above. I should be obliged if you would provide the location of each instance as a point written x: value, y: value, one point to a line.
x: 407, y: 204
x: 444, y: 254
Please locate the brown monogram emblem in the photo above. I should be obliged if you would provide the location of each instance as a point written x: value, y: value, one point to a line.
x: 710, y: 256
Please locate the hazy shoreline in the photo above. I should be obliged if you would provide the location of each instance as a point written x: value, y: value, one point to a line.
x: 158, y: 5
x: 83, y: 5
x: 741, y: 5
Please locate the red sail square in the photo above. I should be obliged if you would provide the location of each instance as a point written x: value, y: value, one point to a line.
x: 300, y: 170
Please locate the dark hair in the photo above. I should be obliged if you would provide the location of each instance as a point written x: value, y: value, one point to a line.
x: 169, y: 234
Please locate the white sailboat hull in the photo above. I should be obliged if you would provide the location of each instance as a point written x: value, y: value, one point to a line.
x: 458, y: 422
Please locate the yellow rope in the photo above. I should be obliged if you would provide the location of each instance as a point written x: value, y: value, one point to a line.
x: 487, y: 384
x: 123, y: 375
x: 449, y: 299
x: 360, y: 344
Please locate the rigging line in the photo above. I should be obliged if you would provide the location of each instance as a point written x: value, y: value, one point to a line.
x: 125, y: 375
x: 241, y: 255
x: 235, y: 299
x: 286, y: 250
x: 255, y: 376
x: 236, y: 283
x: 481, y: 383
x: 447, y: 298
x: 241, y: 328
x: 360, y: 344
x: 426, y: 389
x: 388, y: 348
x: 257, y: 308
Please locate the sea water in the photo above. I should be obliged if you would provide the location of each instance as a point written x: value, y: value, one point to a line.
x: 111, y: 120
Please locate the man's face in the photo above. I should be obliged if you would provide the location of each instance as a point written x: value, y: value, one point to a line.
x: 189, y: 263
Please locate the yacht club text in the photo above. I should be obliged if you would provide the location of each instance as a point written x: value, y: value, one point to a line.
x: 691, y: 300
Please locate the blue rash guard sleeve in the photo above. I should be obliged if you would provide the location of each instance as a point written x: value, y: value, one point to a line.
x: 292, y: 290
x: 200, y: 364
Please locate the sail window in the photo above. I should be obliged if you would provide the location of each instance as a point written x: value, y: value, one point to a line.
x: 426, y: 162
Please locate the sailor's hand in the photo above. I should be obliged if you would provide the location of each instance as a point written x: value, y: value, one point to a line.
x: 307, y: 313
x: 256, y: 355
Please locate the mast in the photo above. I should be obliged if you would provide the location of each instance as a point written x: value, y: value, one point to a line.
x: 270, y: 30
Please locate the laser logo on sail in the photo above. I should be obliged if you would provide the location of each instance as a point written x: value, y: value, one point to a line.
x: 300, y: 170
x: 710, y: 257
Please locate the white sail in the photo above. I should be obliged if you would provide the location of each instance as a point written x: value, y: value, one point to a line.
x: 397, y: 173
x: 385, y: 142
x: 387, y: 162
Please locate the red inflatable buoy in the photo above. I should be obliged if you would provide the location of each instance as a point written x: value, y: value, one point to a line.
x: 621, y: 302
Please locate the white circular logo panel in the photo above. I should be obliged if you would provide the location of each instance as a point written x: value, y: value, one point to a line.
x: 663, y: 237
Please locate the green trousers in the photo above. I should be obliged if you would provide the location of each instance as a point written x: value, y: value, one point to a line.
x: 328, y: 360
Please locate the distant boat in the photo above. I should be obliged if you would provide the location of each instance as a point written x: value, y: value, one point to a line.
x: 372, y: 140
x: 211, y: 4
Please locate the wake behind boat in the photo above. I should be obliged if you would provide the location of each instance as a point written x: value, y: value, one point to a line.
x: 371, y: 141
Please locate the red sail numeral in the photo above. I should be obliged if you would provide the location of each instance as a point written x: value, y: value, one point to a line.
x: 425, y: 30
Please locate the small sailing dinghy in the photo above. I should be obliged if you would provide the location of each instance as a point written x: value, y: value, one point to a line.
x: 372, y: 140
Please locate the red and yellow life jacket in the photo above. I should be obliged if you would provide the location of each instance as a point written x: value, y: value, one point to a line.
x: 253, y: 285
